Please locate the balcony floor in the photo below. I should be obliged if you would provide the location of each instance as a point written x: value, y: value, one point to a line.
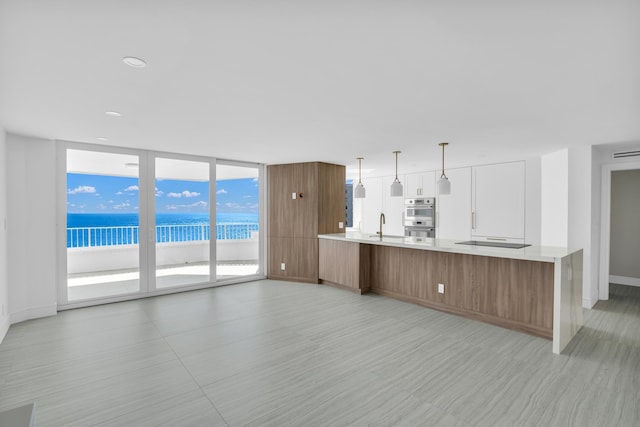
x: 121, y: 282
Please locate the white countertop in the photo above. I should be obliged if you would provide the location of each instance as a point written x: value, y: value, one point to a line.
x: 529, y: 253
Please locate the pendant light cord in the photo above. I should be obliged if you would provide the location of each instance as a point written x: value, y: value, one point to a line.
x: 396, y: 165
x: 443, y: 144
x: 396, y: 153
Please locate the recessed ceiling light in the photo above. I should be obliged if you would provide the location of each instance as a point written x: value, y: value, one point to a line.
x: 134, y: 62
x: 102, y: 138
x: 113, y: 113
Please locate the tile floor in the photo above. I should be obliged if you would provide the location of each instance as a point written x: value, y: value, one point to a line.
x: 271, y: 353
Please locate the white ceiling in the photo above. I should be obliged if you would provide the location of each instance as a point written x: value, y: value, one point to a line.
x: 117, y: 164
x: 300, y: 80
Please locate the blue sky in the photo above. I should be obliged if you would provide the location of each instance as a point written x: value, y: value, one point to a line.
x: 113, y: 194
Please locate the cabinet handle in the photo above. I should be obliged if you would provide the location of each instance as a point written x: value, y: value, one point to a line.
x: 473, y: 220
x: 502, y: 239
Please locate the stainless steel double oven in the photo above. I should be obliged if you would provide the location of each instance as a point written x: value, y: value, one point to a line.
x: 420, y: 217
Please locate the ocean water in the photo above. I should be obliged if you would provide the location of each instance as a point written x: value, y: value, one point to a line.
x: 75, y: 220
x: 88, y: 230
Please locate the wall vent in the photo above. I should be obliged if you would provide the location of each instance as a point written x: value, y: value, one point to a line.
x: 623, y: 154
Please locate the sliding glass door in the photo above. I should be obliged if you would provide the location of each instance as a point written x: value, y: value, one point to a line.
x: 237, y: 220
x: 182, y: 221
x: 145, y: 223
x: 102, y: 216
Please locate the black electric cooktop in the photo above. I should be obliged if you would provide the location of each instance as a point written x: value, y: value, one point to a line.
x: 494, y: 244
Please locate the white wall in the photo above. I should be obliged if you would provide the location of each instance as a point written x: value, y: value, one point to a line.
x: 4, y: 277
x: 554, y: 183
x: 580, y: 217
x: 31, y: 212
x: 533, y: 201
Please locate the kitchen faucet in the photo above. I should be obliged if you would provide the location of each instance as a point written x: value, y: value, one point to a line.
x: 382, y: 221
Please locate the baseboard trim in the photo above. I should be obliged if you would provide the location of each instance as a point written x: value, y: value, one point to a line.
x: 34, y: 313
x: 4, y: 328
x: 622, y: 280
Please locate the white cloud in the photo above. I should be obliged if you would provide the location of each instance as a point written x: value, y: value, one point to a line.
x: 82, y: 189
x: 200, y: 204
x: 185, y: 193
x: 121, y: 206
x: 131, y: 188
x: 102, y: 206
x: 119, y: 193
x: 222, y: 191
x: 247, y: 197
x: 110, y: 201
x: 159, y: 192
x: 232, y: 205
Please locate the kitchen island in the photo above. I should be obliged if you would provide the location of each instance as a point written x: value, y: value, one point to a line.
x: 536, y: 289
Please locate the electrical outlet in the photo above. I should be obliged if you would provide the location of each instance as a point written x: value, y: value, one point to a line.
x: 340, y: 224
x: 282, y: 266
x: 294, y: 196
x: 441, y: 288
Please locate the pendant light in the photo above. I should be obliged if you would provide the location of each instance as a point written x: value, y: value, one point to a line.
x: 444, y: 185
x: 396, y: 186
x: 359, y: 192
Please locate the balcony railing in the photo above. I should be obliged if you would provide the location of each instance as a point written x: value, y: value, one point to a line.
x: 84, y: 237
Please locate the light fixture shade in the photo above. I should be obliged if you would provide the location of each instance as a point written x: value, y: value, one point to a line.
x: 444, y: 185
x: 396, y: 185
x: 396, y: 188
x: 359, y: 192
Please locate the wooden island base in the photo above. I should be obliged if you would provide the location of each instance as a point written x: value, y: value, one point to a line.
x: 513, y: 293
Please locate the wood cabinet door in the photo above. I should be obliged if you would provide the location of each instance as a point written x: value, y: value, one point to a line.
x: 331, y: 198
x: 279, y: 195
x: 304, y: 216
x: 289, y: 216
x: 299, y: 256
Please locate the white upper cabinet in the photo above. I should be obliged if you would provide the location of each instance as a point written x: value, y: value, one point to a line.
x: 371, y: 205
x: 393, y: 208
x: 486, y: 203
x: 413, y: 185
x: 453, y: 211
x: 498, y: 201
x: 429, y: 184
x: 420, y: 184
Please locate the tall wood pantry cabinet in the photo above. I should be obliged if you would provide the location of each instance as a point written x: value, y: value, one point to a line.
x: 304, y: 200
